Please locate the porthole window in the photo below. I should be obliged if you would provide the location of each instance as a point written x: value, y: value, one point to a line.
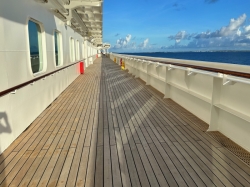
x: 72, y: 49
x: 77, y: 50
x: 58, y: 48
x: 36, y: 46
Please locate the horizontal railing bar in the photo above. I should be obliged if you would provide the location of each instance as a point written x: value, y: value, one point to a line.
x: 217, y: 70
x: 5, y: 92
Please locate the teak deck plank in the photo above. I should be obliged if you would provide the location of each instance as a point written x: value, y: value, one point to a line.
x: 116, y: 175
x: 32, y: 169
x: 76, y: 160
x: 82, y: 171
x: 107, y: 161
x: 108, y: 129
x: 125, y: 177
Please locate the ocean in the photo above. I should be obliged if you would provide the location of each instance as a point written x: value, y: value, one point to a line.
x: 235, y: 57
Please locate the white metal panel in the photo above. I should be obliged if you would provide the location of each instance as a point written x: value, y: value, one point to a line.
x: 23, y: 107
x: 235, y: 128
x: 201, y: 84
x: 162, y: 72
x: 157, y: 84
x: 4, y: 83
x: 193, y: 104
x: 18, y: 67
x: 6, y: 125
x: 220, y: 100
x: 179, y: 77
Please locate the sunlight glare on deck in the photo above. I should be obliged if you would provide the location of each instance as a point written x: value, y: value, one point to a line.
x: 110, y: 129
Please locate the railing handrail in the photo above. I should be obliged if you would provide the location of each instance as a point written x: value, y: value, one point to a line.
x: 9, y: 90
x: 216, y: 70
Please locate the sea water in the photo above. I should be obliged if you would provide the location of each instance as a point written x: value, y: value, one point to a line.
x: 235, y: 57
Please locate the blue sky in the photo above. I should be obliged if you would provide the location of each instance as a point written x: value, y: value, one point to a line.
x: 176, y: 25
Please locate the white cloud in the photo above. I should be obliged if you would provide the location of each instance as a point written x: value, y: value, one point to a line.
x: 145, y: 43
x: 233, y: 26
x: 238, y: 32
x: 181, y: 35
x: 234, y: 34
x: 128, y: 37
x: 133, y: 45
x: 123, y: 42
x: 230, y: 30
x: 247, y: 29
x: 127, y: 44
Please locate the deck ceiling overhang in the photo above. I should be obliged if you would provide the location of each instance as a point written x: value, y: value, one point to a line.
x: 83, y: 16
x: 106, y: 46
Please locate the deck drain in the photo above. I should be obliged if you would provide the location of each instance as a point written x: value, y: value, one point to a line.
x: 234, y: 148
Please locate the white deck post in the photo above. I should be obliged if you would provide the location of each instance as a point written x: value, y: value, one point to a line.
x: 137, y: 71
x: 214, y: 115
x: 86, y: 51
x: 148, y: 76
x: 167, y: 86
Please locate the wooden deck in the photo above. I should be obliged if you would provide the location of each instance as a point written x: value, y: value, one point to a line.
x: 109, y: 129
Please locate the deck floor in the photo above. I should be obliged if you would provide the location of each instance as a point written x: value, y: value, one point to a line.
x: 109, y: 129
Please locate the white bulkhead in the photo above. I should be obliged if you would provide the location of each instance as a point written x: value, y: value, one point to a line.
x: 21, y: 107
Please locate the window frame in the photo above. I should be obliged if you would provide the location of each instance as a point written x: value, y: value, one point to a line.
x: 72, y: 49
x: 77, y: 50
x: 83, y: 50
x: 41, y: 45
x: 60, y: 48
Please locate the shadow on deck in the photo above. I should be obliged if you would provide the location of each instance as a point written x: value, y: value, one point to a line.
x: 109, y: 129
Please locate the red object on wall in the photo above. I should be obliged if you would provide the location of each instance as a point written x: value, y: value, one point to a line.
x: 82, y: 67
x: 96, y: 55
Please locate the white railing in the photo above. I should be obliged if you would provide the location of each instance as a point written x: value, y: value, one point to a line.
x: 221, y: 100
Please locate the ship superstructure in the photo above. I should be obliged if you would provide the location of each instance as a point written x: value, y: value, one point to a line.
x: 42, y: 43
x: 73, y: 114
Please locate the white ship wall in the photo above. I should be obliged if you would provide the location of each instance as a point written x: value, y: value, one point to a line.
x: 225, y: 107
x: 19, y: 110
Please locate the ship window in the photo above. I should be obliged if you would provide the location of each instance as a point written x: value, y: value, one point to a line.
x: 89, y: 51
x: 35, y: 41
x: 58, y: 48
x: 77, y: 50
x: 83, y: 50
x: 72, y: 49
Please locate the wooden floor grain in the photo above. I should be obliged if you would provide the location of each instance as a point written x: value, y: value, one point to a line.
x: 110, y: 129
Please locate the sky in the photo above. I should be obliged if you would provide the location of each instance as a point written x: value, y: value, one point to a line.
x: 176, y: 25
